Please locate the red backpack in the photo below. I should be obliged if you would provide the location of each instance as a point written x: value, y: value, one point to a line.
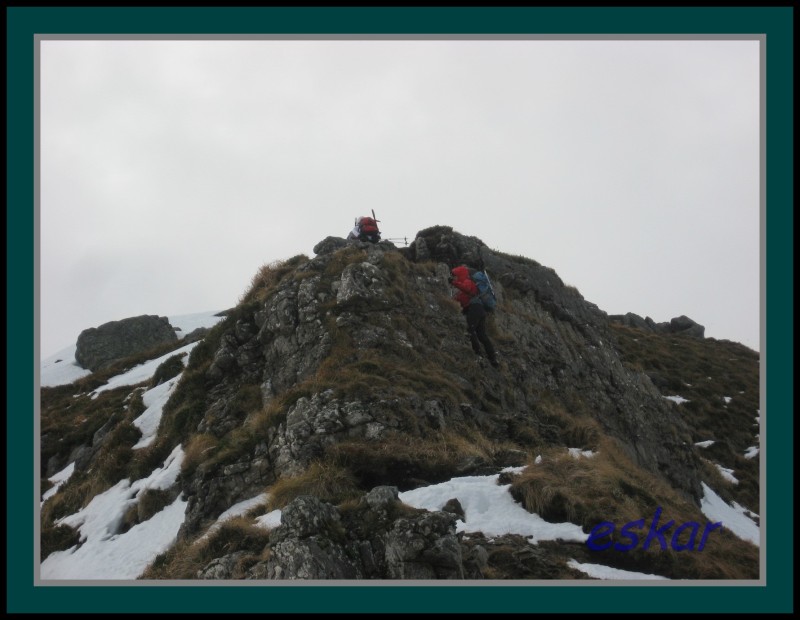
x: 368, y: 226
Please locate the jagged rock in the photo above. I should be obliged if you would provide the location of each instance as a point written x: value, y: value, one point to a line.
x: 292, y: 334
x: 511, y: 556
x: 362, y: 283
x: 98, y: 347
x: 81, y: 456
x: 454, y: 506
x: 630, y: 320
x: 307, y: 515
x: 316, y: 422
x: 225, y: 567
x: 424, y: 548
x: 308, y: 543
x: 679, y: 325
x: 310, y: 559
x: 381, y: 497
x: 686, y: 326
x: 195, y: 335
x: 313, y: 542
x: 329, y: 245
x: 441, y: 243
x: 209, y: 493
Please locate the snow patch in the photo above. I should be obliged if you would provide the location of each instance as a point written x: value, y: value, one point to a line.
x: 59, y: 479
x: 726, y: 473
x: 735, y: 518
x: 269, y: 520
x: 236, y: 510
x: 751, y: 452
x: 144, y: 371
x: 598, y: 571
x: 489, y: 508
x: 154, y: 399
x: 103, y: 553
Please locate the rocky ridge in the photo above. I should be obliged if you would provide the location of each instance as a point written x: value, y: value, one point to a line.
x: 327, y: 361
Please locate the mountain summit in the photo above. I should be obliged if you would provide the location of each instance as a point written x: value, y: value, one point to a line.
x: 298, y: 429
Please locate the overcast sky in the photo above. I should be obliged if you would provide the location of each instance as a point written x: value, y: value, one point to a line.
x: 170, y: 171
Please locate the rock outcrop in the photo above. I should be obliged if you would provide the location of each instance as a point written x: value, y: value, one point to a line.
x: 98, y: 347
x: 368, y: 339
x: 682, y: 325
x: 379, y: 538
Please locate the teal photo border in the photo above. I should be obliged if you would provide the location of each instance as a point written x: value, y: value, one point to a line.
x: 25, y: 23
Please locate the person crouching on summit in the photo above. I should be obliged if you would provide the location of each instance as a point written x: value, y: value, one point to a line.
x: 471, y: 307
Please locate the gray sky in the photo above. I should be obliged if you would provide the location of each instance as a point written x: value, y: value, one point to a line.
x: 172, y: 170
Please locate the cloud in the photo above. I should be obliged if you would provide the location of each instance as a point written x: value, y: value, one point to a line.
x: 172, y: 170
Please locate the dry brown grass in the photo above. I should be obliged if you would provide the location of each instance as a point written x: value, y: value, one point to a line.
x: 326, y: 481
x: 58, y: 538
x: 268, y: 417
x: 471, y: 442
x: 605, y: 487
x: 405, y: 461
x: 184, y: 559
x: 268, y: 277
x: 704, y: 371
x: 199, y: 448
x: 609, y: 487
x: 561, y: 427
x: 74, y: 495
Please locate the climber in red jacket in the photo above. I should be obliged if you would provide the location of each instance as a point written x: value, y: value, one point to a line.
x: 472, y: 308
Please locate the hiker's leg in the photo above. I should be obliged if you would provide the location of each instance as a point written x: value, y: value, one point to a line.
x: 472, y: 324
x: 473, y: 338
x: 484, y: 338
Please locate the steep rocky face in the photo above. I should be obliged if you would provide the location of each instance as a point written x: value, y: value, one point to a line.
x: 98, y: 347
x: 362, y: 344
x: 561, y: 343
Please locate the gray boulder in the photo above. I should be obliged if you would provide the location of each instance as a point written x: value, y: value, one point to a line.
x: 330, y: 244
x: 424, y: 547
x: 686, y: 326
x: 99, y: 347
x: 631, y: 320
x: 309, y: 543
x: 443, y: 244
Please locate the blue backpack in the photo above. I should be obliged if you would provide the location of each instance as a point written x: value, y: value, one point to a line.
x: 485, y: 291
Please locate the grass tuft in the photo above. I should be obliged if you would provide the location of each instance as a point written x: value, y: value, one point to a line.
x: 326, y: 481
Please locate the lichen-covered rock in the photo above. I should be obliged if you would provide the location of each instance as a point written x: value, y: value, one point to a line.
x: 225, y: 567
x: 309, y: 543
x: 315, y: 542
x: 425, y: 547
